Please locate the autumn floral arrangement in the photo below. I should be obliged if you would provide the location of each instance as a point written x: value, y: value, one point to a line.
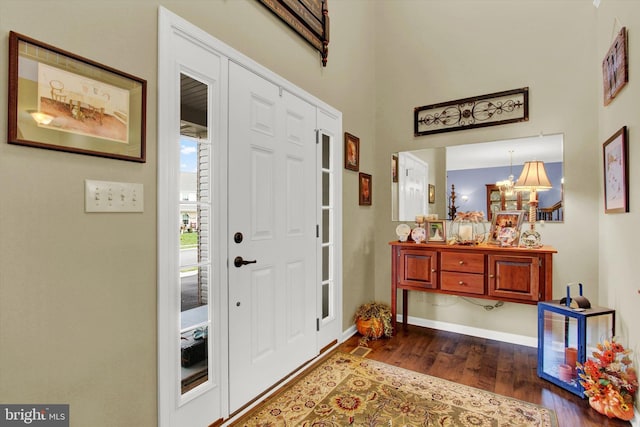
x: 609, y: 380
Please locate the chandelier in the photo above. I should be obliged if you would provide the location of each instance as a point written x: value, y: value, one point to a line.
x: 506, y: 185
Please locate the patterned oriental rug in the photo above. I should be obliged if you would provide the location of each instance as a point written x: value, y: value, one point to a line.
x: 346, y: 390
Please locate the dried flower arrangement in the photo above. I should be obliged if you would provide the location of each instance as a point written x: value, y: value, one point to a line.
x: 610, y: 381
x: 373, y: 320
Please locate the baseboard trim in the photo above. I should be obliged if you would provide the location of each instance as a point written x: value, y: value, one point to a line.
x: 470, y: 330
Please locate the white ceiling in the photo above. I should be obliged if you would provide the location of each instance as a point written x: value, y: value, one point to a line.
x: 547, y: 148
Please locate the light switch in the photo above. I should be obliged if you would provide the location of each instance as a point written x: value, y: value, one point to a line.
x: 107, y: 196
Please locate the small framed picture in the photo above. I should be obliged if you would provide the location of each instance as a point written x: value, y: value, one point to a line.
x: 615, y: 67
x: 432, y: 193
x: 364, y: 189
x: 616, y: 178
x: 505, y: 228
x: 394, y: 168
x: 351, y: 152
x: 436, y: 231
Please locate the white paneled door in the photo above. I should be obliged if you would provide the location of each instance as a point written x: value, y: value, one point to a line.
x: 272, y: 234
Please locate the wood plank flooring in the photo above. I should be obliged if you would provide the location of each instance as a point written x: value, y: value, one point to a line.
x: 502, y: 368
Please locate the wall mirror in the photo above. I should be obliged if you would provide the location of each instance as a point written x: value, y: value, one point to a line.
x: 422, y: 179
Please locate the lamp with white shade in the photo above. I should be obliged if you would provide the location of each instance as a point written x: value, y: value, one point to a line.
x: 533, y: 179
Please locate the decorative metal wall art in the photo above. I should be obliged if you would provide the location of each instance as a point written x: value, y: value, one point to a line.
x: 479, y: 111
x: 615, y: 67
x: 309, y: 18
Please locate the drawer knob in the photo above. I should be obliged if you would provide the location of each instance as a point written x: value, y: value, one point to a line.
x: 492, y: 276
x: 461, y: 262
x: 461, y: 283
x: 433, y: 270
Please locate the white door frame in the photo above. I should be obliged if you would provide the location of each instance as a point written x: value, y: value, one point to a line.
x: 174, y: 408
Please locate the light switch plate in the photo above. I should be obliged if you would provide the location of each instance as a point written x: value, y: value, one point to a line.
x: 107, y: 196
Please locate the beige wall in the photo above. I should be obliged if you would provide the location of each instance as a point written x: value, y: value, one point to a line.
x: 77, y: 291
x: 618, y: 234
x: 449, y: 50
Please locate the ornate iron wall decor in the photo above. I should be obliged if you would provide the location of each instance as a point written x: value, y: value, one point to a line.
x: 615, y: 67
x: 479, y: 111
x: 309, y: 18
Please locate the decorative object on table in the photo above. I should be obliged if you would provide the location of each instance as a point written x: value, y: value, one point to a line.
x: 64, y: 102
x: 533, y: 179
x: 436, y: 231
x: 567, y: 336
x: 351, y: 152
x: 616, y: 177
x: 479, y: 111
x: 505, y: 228
x: 609, y: 380
x: 432, y: 193
x: 468, y: 228
x: 365, y: 189
x: 403, y: 231
x: 452, y: 203
x: 373, y: 320
x: 347, y: 390
x: 310, y: 19
x: 615, y: 67
x: 419, y: 234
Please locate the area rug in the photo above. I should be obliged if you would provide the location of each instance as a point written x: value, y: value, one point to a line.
x: 347, y: 390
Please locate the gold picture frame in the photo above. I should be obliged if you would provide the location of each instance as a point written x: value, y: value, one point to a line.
x: 505, y: 228
x: 64, y: 102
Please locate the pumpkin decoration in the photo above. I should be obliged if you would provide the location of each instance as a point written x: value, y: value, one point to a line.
x: 373, y: 320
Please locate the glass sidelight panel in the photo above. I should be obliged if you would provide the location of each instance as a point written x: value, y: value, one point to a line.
x: 194, y: 221
x: 328, y: 244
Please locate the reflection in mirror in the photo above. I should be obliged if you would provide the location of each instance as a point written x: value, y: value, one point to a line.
x: 474, y: 170
x: 193, y: 226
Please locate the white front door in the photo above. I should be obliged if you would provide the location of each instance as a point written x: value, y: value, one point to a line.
x: 272, y: 234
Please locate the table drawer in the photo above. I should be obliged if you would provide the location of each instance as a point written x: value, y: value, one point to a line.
x: 462, y: 262
x: 462, y: 282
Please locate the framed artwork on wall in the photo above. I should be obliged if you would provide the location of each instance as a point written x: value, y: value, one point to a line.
x: 61, y: 101
x: 364, y: 189
x: 615, y: 67
x: 498, y: 108
x: 616, y: 177
x: 351, y: 152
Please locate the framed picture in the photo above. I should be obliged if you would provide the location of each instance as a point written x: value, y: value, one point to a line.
x: 505, y: 228
x: 351, y: 152
x: 394, y: 168
x: 436, y: 232
x: 61, y: 101
x: 615, y: 67
x: 432, y: 193
x: 364, y: 189
x: 509, y: 106
x: 616, y: 178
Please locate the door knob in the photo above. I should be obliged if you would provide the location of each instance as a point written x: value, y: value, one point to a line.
x: 239, y: 262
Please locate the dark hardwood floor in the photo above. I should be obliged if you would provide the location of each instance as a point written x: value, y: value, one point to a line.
x: 502, y: 368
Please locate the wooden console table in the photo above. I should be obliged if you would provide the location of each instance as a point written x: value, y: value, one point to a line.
x: 499, y: 273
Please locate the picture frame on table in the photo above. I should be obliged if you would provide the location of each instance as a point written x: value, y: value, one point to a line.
x: 506, y: 227
x: 64, y: 102
x: 616, y: 176
x: 351, y: 152
x: 365, y: 189
x: 436, y: 231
